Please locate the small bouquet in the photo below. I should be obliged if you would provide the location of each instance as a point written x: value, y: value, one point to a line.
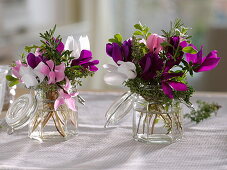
x: 54, y: 70
x: 155, y: 69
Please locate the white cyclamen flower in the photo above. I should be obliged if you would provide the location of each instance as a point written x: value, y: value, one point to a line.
x: 118, y: 74
x: 31, y: 77
x: 77, y: 46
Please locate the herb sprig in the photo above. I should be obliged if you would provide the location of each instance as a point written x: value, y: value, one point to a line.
x: 204, y: 111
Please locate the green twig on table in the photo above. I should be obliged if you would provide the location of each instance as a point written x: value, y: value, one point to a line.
x: 203, y: 112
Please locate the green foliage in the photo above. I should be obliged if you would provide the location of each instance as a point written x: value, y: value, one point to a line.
x: 138, y: 49
x: 142, y: 30
x: 32, y: 48
x: 175, y: 29
x: 203, y: 112
x: 12, y: 80
x: 151, y: 91
x: 78, y: 72
x: 117, y: 39
x: 189, y: 49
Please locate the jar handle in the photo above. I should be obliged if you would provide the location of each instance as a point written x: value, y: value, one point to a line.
x: 119, y: 109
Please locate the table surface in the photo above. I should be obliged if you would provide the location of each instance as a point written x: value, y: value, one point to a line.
x: 204, y: 145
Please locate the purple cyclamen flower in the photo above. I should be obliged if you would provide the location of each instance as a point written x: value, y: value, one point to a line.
x: 150, y: 64
x: 120, y: 52
x: 85, y: 61
x: 33, y: 60
x: 200, y: 63
x: 169, y: 85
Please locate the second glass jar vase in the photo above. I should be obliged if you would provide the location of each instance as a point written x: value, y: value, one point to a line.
x: 157, y: 122
x: 48, y: 123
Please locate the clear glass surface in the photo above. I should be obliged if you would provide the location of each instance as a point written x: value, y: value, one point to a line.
x: 157, y: 122
x: 47, y: 124
x: 120, y: 108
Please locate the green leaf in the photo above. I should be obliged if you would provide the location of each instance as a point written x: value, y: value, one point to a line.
x: 112, y: 40
x: 146, y: 29
x: 138, y: 33
x: 12, y: 83
x: 189, y: 49
x: 11, y: 78
x: 118, y: 37
x: 138, y: 26
x: 165, y: 44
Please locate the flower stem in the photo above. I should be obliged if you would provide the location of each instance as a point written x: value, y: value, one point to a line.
x: 152, y: 128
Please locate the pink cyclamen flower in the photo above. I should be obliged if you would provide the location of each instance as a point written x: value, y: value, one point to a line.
x: 38, y: 52
x: 65, y: 97
x: 16, y: 69
x: 154, y: 43
x: 55, y: 73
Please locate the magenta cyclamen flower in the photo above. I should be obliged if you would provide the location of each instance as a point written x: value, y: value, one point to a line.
x: 60, y: 46
x: 169, y: 85
x: 154, y: 43
x: 85, y: 61
x: 200, y: 63
x: 120, y: 52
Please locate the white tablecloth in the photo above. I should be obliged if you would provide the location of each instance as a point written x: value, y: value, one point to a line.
x: 204, y: 146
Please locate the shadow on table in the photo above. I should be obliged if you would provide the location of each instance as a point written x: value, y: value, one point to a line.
x: 111, y: 156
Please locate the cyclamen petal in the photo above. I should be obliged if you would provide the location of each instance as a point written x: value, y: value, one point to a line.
x: 67, y: 99
x: 154, y: 43
x: 50, y: 63
x: 16, y: 69
x: 43, y: 68
x: 58, y: 102
x: 127, y: 68
x: 114, y: 78
x: 51, y: 77
x: 110, y: 67
x: 178, y: 86
x: 69, y: 44
x: 32, y: 60
x: 59, y: 76
x: 200, y: 63
x: 67, y: 84
x: 29, y: 80
x: 93, y: 68
x: 70, y: 102
x: 116, y: 53
x: 60, y: 47
x: 84, y: 43
x: 167, y: 90
x: 109, y: 49
x: 208, y: 65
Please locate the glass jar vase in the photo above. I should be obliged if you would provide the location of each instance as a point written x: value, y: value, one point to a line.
x: 157, y: 121
x: 49, y: 124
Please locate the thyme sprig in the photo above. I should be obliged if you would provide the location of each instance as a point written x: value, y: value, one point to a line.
x: 204, y: 111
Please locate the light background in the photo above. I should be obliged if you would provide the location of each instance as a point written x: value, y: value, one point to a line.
x: 22, y: 20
